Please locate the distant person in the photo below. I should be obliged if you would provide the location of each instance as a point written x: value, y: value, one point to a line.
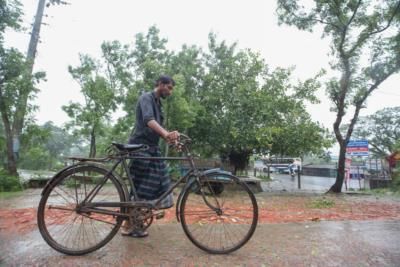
x: 292, y: 169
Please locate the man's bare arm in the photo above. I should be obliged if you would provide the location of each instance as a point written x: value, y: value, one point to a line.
x: 169, y: 136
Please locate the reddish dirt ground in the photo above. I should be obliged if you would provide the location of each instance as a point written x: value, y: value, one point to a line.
x: 272, y: 209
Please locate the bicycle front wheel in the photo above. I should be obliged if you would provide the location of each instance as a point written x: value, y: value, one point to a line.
x: 219, y: 222
x: 64, y: 225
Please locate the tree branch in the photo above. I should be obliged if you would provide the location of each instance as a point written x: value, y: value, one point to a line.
x: 354, y: 13
x: 311, y: 19
x: 377, y: 149
x: 390, y: 20
x: 365, y: 35
x: 346, y: 27
x: 361, y: 101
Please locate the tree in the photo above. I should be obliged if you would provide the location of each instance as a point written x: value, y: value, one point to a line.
x: 381, y: 129
x: 358, y: 30
x: 226, y: 100
x: 10, y: 16
x: 130, y: 71
x: 247, y: 107
x: 16, y: 82
x: 22, y: 107
x: 148, y: 59
x: 89, y: 118
x: 34, y: 154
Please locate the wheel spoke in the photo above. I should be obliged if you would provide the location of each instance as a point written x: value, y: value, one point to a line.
x: 224, y: 230
x: 69, y: 229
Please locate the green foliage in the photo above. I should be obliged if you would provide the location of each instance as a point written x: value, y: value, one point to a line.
x: 17, y: 83
x: 89, y: 119
x: 9, y: 183
x: 381, y: 129
x: 246, y: 107
x: 46, y: 144
x: 10, y: 16
x: 396, y: 177
x: 322, y: 203
x: 355, y: 28
x: 41, y: 159
x: 225, y: 99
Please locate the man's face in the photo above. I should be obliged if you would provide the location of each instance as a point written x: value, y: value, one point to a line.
x: 166, y: 90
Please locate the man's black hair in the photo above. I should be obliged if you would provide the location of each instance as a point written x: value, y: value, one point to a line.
x: 164, y: 79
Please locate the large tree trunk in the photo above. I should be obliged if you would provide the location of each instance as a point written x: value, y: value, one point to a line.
x: 11, y: 162
x: 92, y: 152
x: 337, y: 186
x: 239, y: 159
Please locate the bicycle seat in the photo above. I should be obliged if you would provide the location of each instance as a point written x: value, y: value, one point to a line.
x: 130, y: 147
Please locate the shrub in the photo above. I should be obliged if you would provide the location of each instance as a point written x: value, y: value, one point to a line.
x: 396, y: 178
x: 9, y: 183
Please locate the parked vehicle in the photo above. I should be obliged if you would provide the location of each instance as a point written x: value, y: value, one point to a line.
x: 260, y: 166
x: 281, y: 165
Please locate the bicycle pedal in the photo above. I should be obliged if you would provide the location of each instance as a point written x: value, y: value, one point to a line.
x: 159, y: 215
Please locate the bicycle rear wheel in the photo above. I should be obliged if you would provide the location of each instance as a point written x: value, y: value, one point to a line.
x: 219, y: 222
x: 66, y: 227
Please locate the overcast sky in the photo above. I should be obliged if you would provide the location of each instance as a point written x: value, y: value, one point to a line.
x: 84, y: 24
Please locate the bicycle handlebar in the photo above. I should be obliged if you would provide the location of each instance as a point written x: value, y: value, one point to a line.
x: 186, y: 139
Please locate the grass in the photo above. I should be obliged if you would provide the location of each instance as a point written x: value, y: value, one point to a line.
x: 322, y: 203
x: 393, y: 191
x: 7, y: 195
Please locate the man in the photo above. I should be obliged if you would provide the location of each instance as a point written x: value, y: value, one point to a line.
x: 151, y: 178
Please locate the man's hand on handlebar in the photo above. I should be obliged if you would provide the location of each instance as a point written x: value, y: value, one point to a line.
x: 172, y: 137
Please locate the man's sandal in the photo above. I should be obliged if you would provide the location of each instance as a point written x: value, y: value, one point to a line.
x: 128, y: 230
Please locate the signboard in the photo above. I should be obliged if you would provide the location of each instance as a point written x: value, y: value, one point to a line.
x: 357, y: 148
x: 358, y: 163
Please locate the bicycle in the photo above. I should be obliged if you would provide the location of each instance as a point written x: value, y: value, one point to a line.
x: 83, y: 206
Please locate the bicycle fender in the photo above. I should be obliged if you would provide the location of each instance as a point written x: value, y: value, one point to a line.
x: 212, y: 171
x: 216, y: 172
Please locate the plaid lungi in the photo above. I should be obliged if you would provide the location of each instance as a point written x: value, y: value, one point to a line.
x: 150, y: 177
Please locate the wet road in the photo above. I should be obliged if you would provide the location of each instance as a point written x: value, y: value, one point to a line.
x: 284, y: 182
x: 326, y: 243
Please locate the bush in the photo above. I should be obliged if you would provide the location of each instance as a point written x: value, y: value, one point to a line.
x: 58, y: 166
x: 9, y: 183
x: 396, y: 179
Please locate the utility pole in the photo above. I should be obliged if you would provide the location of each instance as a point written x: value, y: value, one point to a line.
x: 31, y: 55
x: 35, y: 33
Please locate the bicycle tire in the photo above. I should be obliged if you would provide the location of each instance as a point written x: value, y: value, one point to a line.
x: 55, y: 219
x: 224, y: 232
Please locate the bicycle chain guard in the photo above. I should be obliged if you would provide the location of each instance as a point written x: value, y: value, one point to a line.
x: 140, y: 218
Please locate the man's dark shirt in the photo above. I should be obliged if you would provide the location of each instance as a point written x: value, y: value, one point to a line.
x: 148, y: 108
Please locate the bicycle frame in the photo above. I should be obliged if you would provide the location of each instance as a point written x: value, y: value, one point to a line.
x: 95, y: 188
x: 88, y: 206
